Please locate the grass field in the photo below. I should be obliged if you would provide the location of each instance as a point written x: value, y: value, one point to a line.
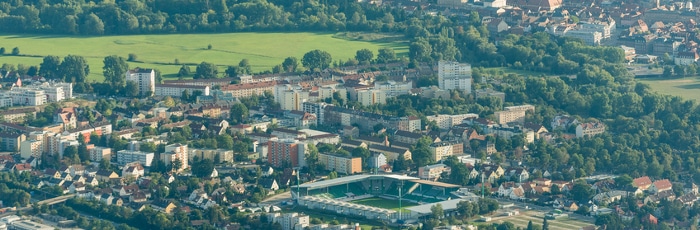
x: 263, y: 50
x: 384, y: 203
x: 688, y: 88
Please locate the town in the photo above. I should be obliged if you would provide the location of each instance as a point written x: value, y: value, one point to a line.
x: 559, y: 136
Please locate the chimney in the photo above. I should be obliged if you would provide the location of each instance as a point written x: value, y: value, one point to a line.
x: 386, y: 141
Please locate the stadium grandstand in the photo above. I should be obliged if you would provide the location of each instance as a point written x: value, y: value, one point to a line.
x: 398, y: 191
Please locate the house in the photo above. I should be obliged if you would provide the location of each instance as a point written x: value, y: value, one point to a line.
x: 133, y: 170
x: 563, y: 122
x: 267, y: 171
x: 76, y: 187
x: 691, y: 188
x: 660, y: 186
x: 92, y: 181
x: 128, y: 190
x: 589, y: 129
x: 511, y: 190
x: 165, y: 206
x: 270, y: 184
x: 105, y: 175
x: 496, y: 26
x: 650, y: 219
x: 570, y: 206
x: 688, y: 199
x: 642, y: 183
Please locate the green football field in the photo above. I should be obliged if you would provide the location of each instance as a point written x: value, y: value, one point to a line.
x: 383, y: 203
x: 263, y: 50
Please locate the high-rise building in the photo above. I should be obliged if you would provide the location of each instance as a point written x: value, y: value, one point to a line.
x: 126, y: 156
x: 145, y: 78
x: 176, y: 152
x: 288, y: 152
x: 370, y: 97
x: 342, y: 164
x: 455, y: 75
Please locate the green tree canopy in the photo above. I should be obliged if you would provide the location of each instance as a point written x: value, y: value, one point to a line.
x: 206, y: 70
x: 317, y: 59
x: 114, y: 70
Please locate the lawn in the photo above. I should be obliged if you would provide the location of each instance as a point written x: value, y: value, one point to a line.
x: 688, y: 88
x: 263, y: 50
x: 383, y: 203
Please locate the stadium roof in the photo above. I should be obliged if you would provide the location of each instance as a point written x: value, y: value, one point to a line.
x: 435, y: 183
x: 353, y: 178
x: 425, y: 209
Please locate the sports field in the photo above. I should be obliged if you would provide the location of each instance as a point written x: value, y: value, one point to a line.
x: 384, y: 203
x: 688, y: 87
x: 263, y: 50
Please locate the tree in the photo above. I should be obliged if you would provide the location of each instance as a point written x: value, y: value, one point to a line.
x: 184, y: 71
x: 332, y: 175
x: 244, y: 66
x: 231, y: 71
x: 132, y: 57
x: 206, y: 70
x: 15, y: 51
x: 437, y: 211
x: 168, y: 102
x: 239, y: 113
x: 2, y: 50
x: 545, y: 225
x: 131, y: 89
x: 74, y: 69
x: 93, y: 25
x: 224, y: 141
x: 364, y: 55
x: 114, y: 70
x: 202, y: 168
x: 290, y: 64
x: 49, y: 67
x: 317, y: 59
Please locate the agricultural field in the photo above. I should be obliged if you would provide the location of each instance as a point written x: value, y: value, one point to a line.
x: 688, y: 87
x: 384, y: 203
x: 164, y: 52
x: 523, y: 218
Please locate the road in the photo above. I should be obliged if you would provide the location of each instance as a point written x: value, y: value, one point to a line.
x: 277, y: 199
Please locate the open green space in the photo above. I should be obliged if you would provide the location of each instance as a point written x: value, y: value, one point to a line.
x: 688, y: 87
x: 263, y: 50
x: 384, y: 203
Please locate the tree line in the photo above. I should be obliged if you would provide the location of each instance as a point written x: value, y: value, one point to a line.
x: 193, y: 16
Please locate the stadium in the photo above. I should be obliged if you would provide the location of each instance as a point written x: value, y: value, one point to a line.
x: 384, y: 197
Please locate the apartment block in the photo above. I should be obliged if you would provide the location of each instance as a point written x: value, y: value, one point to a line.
x: 222, y: 155
x: 31, y: 148
x: 444, y: 121
x: 288, y: 152
x: 128, y: 156
x: 11, y: 141
x: 249, y: 89
x: 176, y: 152
x: 99, y: 153
x: 341, y: 164
x: 176, y: 90
x: 454, y: 75
x: 145, y: 78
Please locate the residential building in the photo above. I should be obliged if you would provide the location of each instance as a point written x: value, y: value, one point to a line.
x: 513, y: 114
x: 442, y: 150
x: 432, y: 172
x: 211, y: 82
x: 341, y: 164
x: 368, y: 97
x: 488, y: 92
x: 222, y: 155
x: 288, y: 152
x: 176, y: 152
x: 27, y: 96
x: 128, y: 156
x: 145, y: 79
x: 642, y: 183
x: 31, y: 148
x: 563, y: 122
x: 454, y: 75
x: 391, y: 153
x: 249, y: 89
x: 444, y: 121
x: 10, y: 141
x: 290, y: 221
x: 99, y: 153
x: 660, y: 186
x: 176, y: 90
x: 290, y: 97
x: 589, y: 129
x: 334, y: 115
x: 393, y: 88
x: 377, y: 160
x: 17, y: 115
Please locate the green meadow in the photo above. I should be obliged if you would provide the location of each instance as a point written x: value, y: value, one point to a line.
x: 687, y: 88
x: 263, y: 50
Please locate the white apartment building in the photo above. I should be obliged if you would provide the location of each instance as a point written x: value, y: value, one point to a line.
x: 455, y: 75
x: 223, y: 155
x: 176, y: 90
x: 290, y: 221
x: 145, y: 78
x: 175, y: 152
x: 54, y: 93
x: 369, y: 97
x: 447, y: 121
x: 5, y: 101
x: 393, y: 88
x: 126, y: 156
x: 27, y: 96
